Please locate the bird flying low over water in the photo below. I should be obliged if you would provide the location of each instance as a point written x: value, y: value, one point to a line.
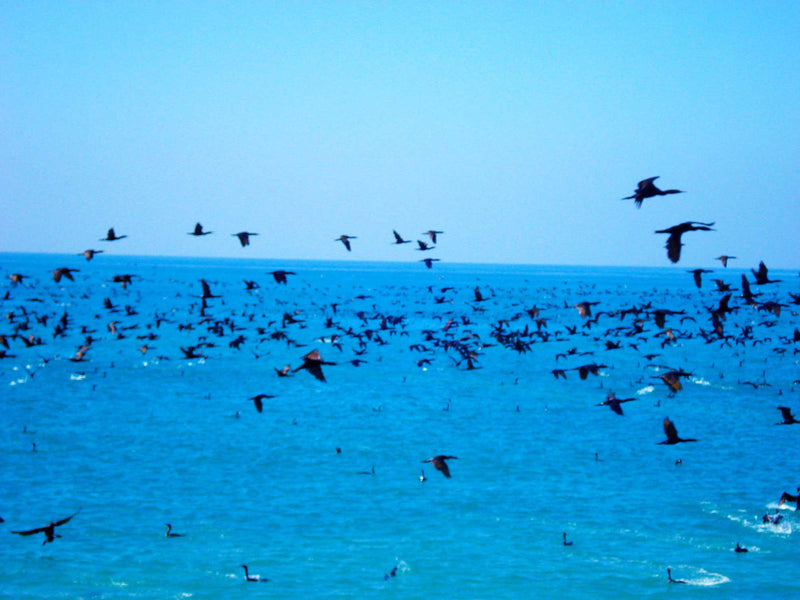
x: 613, y: 402
x: 259, y: 400
x: 89, y: 254
x: 672, y: 434
x: 112, y: 237
x: 312, y: 362
x: 698, y: 276
x: 198, y: 231
x: 63, y: 272
x: 439, y: 464
x: 647, y: 189
x: 672, y: 379
x: 345, y: 239
x: 280, y: 276
x: 47, y: 530
x: 787, y: 497
x: 244, y: 237
x: 676, y: 231
x: 429, y: 261
x: 788, y: 417
x: 761, y: 275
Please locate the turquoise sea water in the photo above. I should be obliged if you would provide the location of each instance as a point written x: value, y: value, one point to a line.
x: 134, y: 441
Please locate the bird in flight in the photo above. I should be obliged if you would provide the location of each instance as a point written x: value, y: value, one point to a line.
x: 47, y: 530
x: 198, y: 231
x: 63, y: 272
x: 672, y: 434
x: 613, y: 402
x: 440, y: 464
x: 244, y: 237
x: 431, y: 233
x: 398, y: 239
x: 89, y: 254
x: 647, y: 189
x: 259, y: 400
x: 112, y: 237
x: 345, y: 239
x: 788, y: 417
x: 313, y: 362
x: 761, y: 275
x: 676, y: 231
x: 724, y: 259
x: 429, y: 261
x: 280, y: 276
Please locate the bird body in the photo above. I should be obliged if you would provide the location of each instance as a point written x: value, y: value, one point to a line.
x: 647, y: 189
x: 439, y: 463
x: 48, y: 530
x: 675, y: 232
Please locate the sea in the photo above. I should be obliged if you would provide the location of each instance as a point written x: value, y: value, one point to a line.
x: 324, y: 493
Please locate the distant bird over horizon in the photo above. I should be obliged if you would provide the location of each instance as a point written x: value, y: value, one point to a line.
x: 429, y: 261
x: 647, y: 189
x: 280, y: 276
x: 761, y: 275
x: 431, y: 233
x: 63, y: 272
x: 244, y: 237
x: 198, y: 231
x: 112, y: 237
x: 676, y: 231
x: 89, y: 254
x: 345, y: 239
x: 724, y: 258
x: 439, y: 463
x: 698, y: 276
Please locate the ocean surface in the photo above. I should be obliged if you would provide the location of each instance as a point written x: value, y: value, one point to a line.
x: 132, y: 440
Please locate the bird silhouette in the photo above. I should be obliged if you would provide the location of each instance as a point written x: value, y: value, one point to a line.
x: 672, y: 434
x: 439, y: 463
x: 647, y: 189
x: 89, y: 254
x: 280, y: 276
x: 398, y: 239
x: 613, y: 402
x: 676, y: 231
x: 698, y: 276
x: 429, y: 261
x: 48, y: 530
x: 112, y: 237
x: 198, y: 231
x: 244, y: 237
x: 431, y: 233
x: 259, y: 400
x: 788, y: 417
x: 787, y: 497
x: 249, y: 577
x: 761, y: 275
x: 345, y: 239
x: 170, y: 533
x: 724, y: 259
x: 312, y: 362
x: 63, y: 272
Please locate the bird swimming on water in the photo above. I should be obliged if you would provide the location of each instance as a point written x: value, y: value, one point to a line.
x: 249, y: 577
x: 647, y: 189
x: 170, y: 534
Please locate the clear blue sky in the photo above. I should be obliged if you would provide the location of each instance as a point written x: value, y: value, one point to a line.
x: 515, y: 128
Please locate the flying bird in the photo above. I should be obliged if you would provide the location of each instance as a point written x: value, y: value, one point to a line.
x: 761, y: 275
x: 63, y: 272
x: 439, y: 464
x: 244, y: 237
x: 198, y: 231
x: 47, y: 530
x: 89, y: 254
x: 398, y: 239
x: 259, y: 400
x: 647, y: 189
x: 280, y: 276
x: 345, y: 239
x: 676, y: 231
x: 312, y: 362
x: 672, y: 434
x: 788, y: 417
x: 724, y: 259
x: 432, y: 234
x: 613, y: 402
x: 698, y: 276
x: 112, y: 237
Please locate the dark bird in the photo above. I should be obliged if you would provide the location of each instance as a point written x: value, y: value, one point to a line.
x: 613, y: 402
x: 564, y: 539
x: 585, y: 308
x: 787, y: 497
x: 788, y: 417
x: 761, y: 275
x: 280, y: 276
x: 63, y: 272
x: 672, y: 434
x: 244, y: 237
x: 724, y: 259
x: 424, y: 246
x: 89, y: 254
x: 439, y: 464
x: 170, y: 534
x: 698, y: 276
x: 207, y: 290
x: 429, y: 261
x: 259, y: 401
x: 432, y: 234
x: 47, y: 530
x: 670, y: 579
x: 112, y: 237
x: 647, y: 189
x: 345, y: 239
x: 584, y: 370
x: 249, y: 577
x: 672, y: 379
x: 16, y: 278
x: 739, y: 549
x: 313, y: 362
x: 676, y: 231
x: 398, y: 239
x: 198, y: 230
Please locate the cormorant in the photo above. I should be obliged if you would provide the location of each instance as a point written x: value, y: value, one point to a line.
x: 672, y: 434
x: 48, y: 530
x: 647, y: 189
x: 439, y: 464
x: 676, y: 231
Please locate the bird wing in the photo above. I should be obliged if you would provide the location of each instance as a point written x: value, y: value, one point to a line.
x: 674, y: 247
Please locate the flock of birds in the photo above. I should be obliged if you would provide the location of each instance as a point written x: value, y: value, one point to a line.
x: 457, y: 338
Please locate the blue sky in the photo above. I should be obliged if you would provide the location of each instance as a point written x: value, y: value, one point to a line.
x: 515, y: 128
